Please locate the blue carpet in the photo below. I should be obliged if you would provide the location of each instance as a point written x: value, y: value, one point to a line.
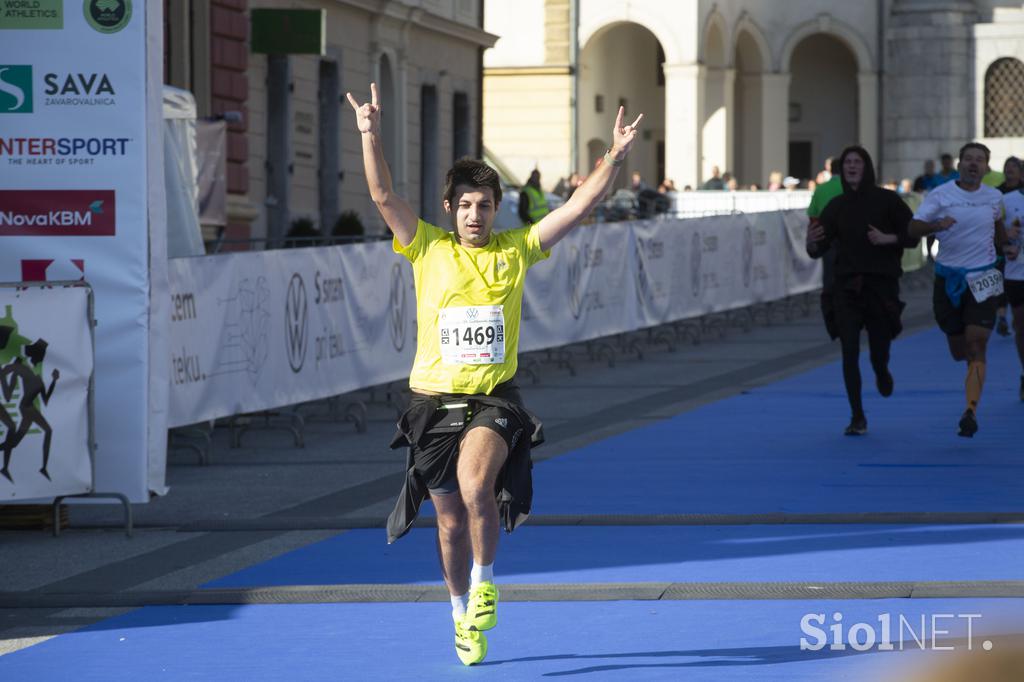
x: 695, y: 641
x: 779, y: 448
x: 545, y: 554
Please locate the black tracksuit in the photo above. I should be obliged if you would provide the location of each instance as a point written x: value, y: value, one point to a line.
x: 866, y: 290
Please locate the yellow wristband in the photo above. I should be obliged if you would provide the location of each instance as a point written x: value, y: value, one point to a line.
x: 611, y: 160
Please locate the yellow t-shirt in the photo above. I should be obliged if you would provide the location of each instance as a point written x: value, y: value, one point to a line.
x: 451, y: 276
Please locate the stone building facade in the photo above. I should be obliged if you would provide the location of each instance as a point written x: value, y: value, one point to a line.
x: 752, y: 86
x: 296, y: 153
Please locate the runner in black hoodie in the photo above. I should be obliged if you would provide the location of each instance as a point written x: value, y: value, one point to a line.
x: 869, y: 226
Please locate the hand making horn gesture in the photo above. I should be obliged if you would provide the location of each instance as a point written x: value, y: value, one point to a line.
x: 623, y: 136
x: 368, y: 114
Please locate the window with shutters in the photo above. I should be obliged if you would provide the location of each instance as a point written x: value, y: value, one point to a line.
x: 1004, y: 98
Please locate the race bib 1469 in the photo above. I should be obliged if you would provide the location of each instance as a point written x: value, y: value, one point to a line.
x: 472, y: 335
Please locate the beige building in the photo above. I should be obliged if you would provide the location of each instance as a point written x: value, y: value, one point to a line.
x: 305, y: 158
x: 751, y: 86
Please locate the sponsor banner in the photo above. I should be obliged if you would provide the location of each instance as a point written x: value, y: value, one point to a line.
x: 31, y: 14
x: 255, y: 331
x: 57, y: 213
x: 252, y: 331
x: 80, y: 144
x: 803, y: 273
x: 46, y: 365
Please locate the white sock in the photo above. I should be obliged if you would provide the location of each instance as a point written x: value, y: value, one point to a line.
x: 481, y: 574
x: 459, y: 604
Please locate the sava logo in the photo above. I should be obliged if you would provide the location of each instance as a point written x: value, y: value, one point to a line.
x: 15, y: 89
x: 59, y: 89
x: 78, y: 89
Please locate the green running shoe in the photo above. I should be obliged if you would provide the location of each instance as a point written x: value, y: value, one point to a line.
x: 482, y: 613
x: 470, y: 645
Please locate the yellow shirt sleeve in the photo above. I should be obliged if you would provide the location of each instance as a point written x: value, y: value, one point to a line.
x: 425, y: 235
x: 531, y: 247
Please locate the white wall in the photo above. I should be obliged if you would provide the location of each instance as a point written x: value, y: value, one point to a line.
x: 521, y: 27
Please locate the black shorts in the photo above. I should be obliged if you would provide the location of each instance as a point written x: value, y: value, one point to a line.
x: 436, y: 454
x: 953, y: 320
x: 1014, y: 291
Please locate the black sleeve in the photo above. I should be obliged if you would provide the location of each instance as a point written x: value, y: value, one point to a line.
x: 524, y: 207
x: 829, y: 219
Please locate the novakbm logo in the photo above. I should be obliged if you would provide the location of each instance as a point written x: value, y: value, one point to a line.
x: 15, y: 89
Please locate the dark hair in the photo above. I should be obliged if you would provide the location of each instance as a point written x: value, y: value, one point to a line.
x: 974, y: 145
x: 1015, y: 161
x: 467, y: 171
x: 867, y: 181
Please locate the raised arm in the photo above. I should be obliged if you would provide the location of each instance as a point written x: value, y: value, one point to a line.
x: 396, y: 212
x: 560, y: 222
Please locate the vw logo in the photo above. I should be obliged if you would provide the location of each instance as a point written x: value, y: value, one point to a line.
x: 296, y: 322
x: 695, y: 263
x: 575, y: 271
x: 396, y: 307
x: 643, y: 286
x: 748, y: 256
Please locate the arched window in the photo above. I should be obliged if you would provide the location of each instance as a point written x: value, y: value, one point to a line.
x: 1004, y: 98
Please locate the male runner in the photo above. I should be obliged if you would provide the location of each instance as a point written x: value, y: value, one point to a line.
x: 466, y: 418
x: 966, y: 218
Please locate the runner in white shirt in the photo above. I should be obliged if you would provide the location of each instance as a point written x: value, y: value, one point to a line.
x: 1014, y: 203
x: 966, y: 217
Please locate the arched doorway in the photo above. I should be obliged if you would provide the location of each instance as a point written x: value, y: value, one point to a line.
x: 611, y: 75
x: 715, y: 148
x: 823, y: 103
x: 749, y: 112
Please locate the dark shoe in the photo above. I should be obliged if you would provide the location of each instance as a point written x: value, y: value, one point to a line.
x: 1002, y: 328
x: 884, y: 383
x: 44, y: 473
x: 858, y: 427
x: 4, y: 470
x: 968, y: 424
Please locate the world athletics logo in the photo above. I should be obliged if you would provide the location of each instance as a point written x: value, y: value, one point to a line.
x: 107, y: 16
x: 397, y: 308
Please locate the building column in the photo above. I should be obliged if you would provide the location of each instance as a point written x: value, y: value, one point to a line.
x: 729, y: 83
x: 867, y: 114
x: 774, y: 118
x: 684, y: 104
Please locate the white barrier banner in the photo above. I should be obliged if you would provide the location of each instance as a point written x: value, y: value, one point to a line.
x: 77, y: 189
x: 255, y: 331
x: 46, y: 365
x: 803, y: 273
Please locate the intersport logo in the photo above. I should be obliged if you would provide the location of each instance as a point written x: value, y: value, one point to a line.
x: 57, y: 213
